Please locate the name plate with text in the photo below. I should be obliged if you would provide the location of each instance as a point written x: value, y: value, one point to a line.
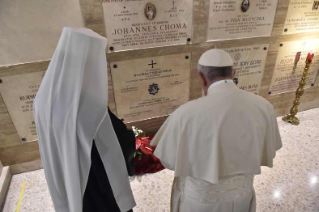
x: 150, y: 87
x: 18, y: 92
x: 249, y: 64
x: 302, y: 16
x: 290, y: 65
x: 138, y: 24
x: 240, y: 19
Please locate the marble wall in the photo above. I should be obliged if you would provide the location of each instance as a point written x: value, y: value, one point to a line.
x: 31, y: 29
x: 13, y: 151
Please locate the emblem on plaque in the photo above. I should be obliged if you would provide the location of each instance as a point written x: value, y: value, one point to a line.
x: 150, y: 11
x: 244, y: 5
x: 237, y: 56
x: 315, y: 5
x: 153, y: 89
x: 235, y: 80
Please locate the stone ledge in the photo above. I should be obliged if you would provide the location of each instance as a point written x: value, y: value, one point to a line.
x: 5, y: 179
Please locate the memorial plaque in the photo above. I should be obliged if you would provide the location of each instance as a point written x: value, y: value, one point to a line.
x: 302, y: 16
x: 138, y: 24
x: 290, y: 65
x: 150, y: 87
x: 240, y: 19
x: 249, y: 63
x: 18, y: 92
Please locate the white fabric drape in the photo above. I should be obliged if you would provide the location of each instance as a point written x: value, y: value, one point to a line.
x: 227, y: 132
x: 231, y: 194
x: 70, y: 111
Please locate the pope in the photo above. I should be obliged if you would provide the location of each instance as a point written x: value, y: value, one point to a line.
x: 217, y: 143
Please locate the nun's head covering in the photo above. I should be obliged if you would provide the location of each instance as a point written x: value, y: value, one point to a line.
x: 70, y: 110
x: 75, y: 83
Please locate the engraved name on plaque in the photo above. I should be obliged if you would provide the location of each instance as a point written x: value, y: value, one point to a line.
x: 240, y: 19
x: 302, y: 16
x: 249, y: 64
x: 132, y: 24
x: 150, y: 87
x: 18, y: 92
x: 290, y: 65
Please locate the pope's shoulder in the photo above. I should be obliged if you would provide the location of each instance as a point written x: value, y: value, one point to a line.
x: 240, y: 95
x: 256, y: 98
x: 260, y: 100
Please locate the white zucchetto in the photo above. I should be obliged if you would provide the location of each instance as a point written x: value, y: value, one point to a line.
x: 215, y: 58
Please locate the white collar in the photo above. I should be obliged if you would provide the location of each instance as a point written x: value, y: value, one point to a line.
x: 218, y: 83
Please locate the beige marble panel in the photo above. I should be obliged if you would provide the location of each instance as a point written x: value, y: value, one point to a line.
x: 26, y: 167
x: 92, y: 14
x: 249, y: 64
x: 150, y: 87
x: 8, y: 134
x: 240, y: 19
x: 144, y: 24
x: 30, y: 30
x: 19, y: 153
x: 290, y: 65
x: 302, y: 16
x: 18, y: 93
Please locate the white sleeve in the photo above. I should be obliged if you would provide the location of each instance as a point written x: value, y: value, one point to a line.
x: 167, y: 141
x: 275, y: 130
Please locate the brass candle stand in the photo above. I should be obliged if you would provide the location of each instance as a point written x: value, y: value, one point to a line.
x: 291, y: 118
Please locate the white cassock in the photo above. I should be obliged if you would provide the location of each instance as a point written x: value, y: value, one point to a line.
x: 70, y: 110
x: 215, y: 145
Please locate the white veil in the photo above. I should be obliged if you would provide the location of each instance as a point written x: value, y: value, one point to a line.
x: 70, y: 111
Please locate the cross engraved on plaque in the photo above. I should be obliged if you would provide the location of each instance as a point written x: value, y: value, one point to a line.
x: 152, y: 64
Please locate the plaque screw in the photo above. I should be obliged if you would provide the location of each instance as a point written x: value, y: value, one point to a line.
x: 312, y: 84
x: 265, y: 48
x: 122, y: 119
x: 0, y: 80
x: 286, y: 30
x: 23, y: 139
x: 186, y: 57
x: 281, y: 45
x: 269, y: 92
x: 189, y: 40
x: 111, y: 48
x: 114, y: 66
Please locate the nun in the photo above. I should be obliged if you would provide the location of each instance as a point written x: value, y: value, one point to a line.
x: 78, y: 144
x: 217, y: 143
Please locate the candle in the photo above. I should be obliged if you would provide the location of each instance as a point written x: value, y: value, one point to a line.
x: 309, y: 57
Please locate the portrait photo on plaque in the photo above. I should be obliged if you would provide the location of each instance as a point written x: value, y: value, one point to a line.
x: 18, y: 93
x: 240, y: 19
x: 144, y: 24
x: 302, y: 16
x: 290, y: 66
x: 249, y: 64
x: 150, y: 87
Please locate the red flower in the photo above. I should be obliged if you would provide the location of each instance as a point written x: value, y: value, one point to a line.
x: 145, y: 160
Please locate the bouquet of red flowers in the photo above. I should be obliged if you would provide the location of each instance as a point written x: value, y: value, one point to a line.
x: 145, y: 160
